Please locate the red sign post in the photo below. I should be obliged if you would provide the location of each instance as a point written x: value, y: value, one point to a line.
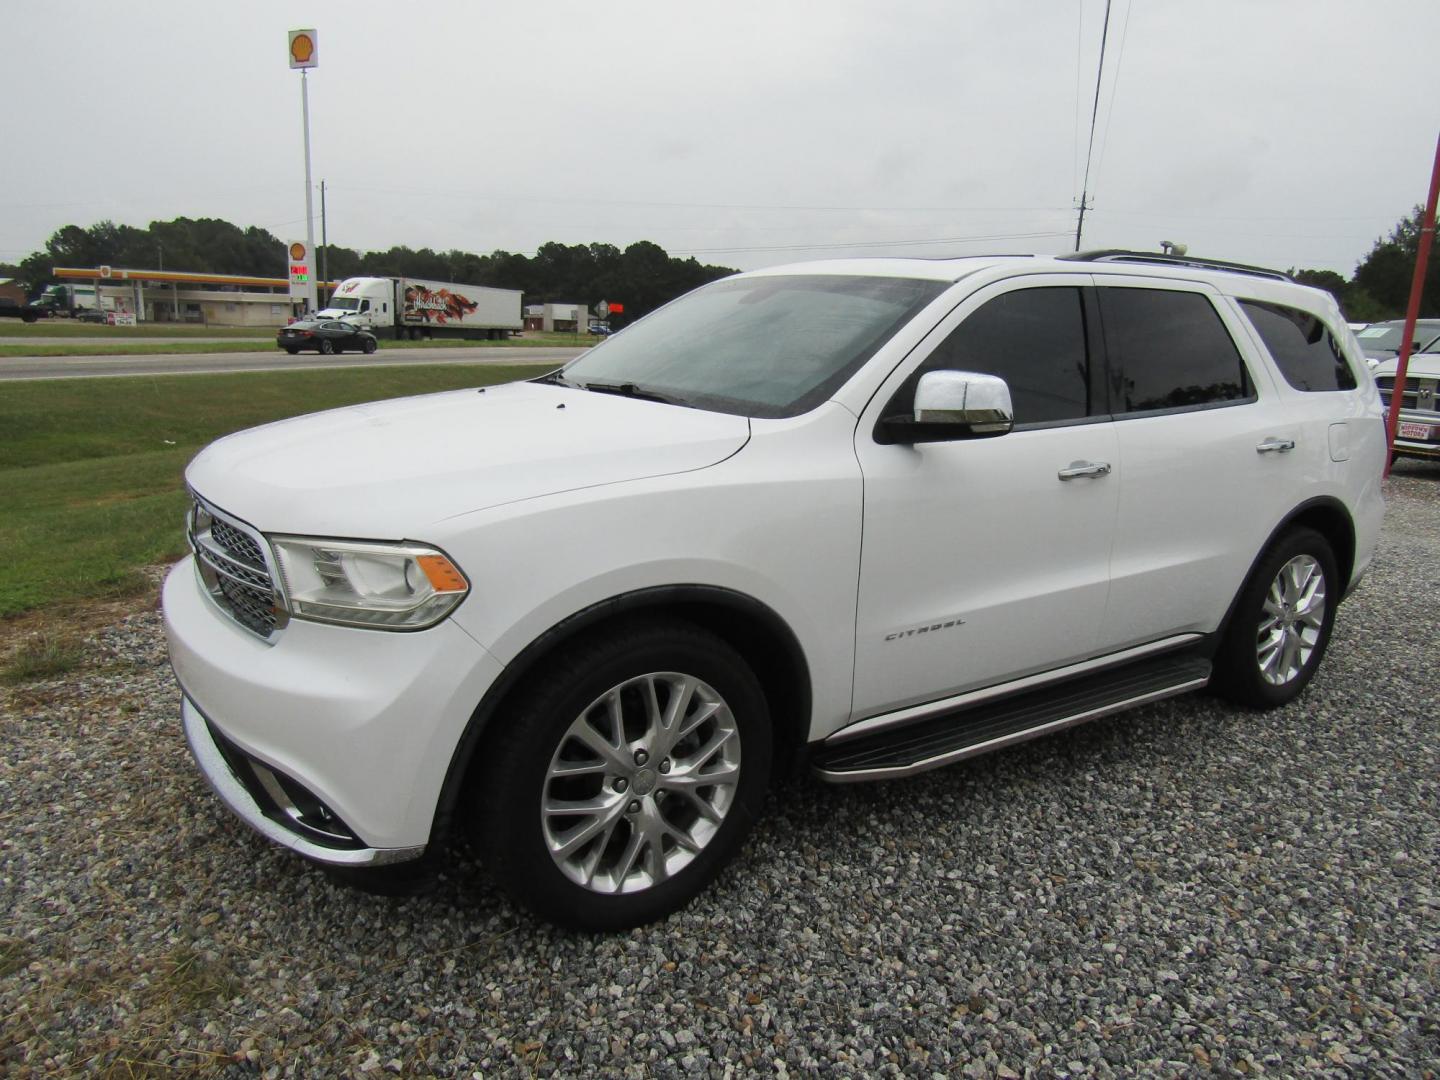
x: 1417, y: 285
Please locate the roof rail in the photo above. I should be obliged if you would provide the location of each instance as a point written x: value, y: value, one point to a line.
x: 1119, y: 255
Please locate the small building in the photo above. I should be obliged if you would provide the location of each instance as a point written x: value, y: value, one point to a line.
x: 557, y: 318
x: 180, y: 296
x: 11, y: 290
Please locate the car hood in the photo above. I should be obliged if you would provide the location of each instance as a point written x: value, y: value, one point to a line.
x: 388, y: 469
x: 1425, y: 365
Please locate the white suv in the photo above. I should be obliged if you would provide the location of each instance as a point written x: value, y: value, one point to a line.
x: 872, y: 516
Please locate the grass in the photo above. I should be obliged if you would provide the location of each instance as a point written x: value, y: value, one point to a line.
x: 43, y: 656
x: 122, y: 347
x: 50, y: 328
x: 91, y: 470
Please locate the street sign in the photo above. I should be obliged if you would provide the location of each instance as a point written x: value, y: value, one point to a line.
x: 303, y: 50
x: 602, y: 310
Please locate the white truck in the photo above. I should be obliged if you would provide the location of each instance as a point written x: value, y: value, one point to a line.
x: 400, y: 307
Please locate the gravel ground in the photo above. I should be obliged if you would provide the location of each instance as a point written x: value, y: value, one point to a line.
x: 1183, y: 889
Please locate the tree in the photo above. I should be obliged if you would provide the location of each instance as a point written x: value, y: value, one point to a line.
x: 1385, y: 275
x: 642, y: 277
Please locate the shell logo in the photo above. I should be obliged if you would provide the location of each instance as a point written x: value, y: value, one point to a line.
x: 297, y: 252
x: 302, y: 48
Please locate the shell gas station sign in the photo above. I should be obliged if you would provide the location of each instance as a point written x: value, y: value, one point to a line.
x: 302, y: 273
x: 304, y: 53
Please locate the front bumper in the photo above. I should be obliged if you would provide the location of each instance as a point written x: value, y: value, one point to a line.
x: 1411, y: 447
x: 366, y: 722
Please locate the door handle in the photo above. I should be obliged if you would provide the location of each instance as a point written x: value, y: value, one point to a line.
x: 1077, y: 469
x: 1275, y: 446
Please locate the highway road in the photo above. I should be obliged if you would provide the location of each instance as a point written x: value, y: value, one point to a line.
x: 272, y: 359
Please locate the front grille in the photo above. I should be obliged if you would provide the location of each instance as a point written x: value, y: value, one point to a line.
x: 1420, y: 394
x: 232, y: 565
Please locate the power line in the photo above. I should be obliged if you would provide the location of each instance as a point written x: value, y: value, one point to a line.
x: 502, y: 197
x: 1094, y: 113
x: 1114, y: 86
x: 850, y: 245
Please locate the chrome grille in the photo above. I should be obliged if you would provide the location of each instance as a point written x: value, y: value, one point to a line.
x: 1420, y: 394
x: 231, y: 563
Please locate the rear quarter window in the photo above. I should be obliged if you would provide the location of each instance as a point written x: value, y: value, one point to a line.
x: 1302, y: 346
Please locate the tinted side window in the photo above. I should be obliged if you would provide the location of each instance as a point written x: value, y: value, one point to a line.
x: 1169, y: 350
x: 1034, y: 339
x: 1304, y: 349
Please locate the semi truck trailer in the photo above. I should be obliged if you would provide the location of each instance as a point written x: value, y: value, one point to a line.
x: 401, y: 307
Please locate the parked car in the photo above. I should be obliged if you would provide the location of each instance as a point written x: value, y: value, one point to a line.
x: 601, y: 329
x: 90, y: 315
x: 1418, y: 432
x: 326, y: 336
x: 1382, y: 340
x: 875, y: 516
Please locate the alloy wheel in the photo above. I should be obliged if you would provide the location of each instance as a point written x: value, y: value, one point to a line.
x: 640, y: 782
x: 1292, y: 618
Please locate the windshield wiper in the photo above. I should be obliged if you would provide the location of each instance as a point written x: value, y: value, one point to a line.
x: 630, y: 389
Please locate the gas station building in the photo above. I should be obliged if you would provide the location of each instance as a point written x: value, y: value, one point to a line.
x: 172, y: 296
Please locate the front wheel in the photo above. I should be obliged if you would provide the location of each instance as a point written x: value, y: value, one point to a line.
x: 369, y: 346
x: 327, y: 347
x: 625, y: 776
x: 1281, y: 624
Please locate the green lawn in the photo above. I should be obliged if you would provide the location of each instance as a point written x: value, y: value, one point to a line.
x: 91, y: 469
x: 14, y: 329
x: 119, y: 346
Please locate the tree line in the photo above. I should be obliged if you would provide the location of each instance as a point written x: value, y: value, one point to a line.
x: 642, y: 276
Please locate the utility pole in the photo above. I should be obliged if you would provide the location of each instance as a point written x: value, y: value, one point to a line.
x: 1094, y: 115
x: 324, y: 249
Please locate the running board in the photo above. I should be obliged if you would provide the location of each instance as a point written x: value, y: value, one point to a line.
x: 933, y: 742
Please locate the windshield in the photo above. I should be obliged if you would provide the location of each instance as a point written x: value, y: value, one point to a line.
x: 763, y: 346
x: 1386, y: 337
x: 345, y: 303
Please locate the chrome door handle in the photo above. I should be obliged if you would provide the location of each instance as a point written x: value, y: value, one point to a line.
x: 1078, y: 469
x: 1275, y: 446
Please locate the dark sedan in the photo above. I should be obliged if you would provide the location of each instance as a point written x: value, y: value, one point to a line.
x: 326, y: 336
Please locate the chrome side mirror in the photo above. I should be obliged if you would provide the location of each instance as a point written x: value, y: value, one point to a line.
x: 953, y: 405
x: 965, y: 397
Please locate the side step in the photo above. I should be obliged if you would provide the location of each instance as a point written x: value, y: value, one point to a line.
x: 935, y: 741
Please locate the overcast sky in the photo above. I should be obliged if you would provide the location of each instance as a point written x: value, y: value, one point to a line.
x: 1281, y: 132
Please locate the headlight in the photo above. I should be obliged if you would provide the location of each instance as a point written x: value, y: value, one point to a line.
x: 383, y: 586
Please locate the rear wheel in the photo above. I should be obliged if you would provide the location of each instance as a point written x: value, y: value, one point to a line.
x: 291, y: 350
x: 625, y: 776
x: 1281, y: 624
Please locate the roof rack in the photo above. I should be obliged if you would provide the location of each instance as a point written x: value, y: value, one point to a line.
x: 1119, y: 255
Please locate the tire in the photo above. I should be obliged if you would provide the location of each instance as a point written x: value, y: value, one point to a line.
x: 327, y: 347
x: 1282, y: 621
x: 655, y: 837
x: 291, y: 351
x: 369, y: 346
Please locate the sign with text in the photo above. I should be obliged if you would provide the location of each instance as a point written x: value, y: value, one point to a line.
x: 302, y: 274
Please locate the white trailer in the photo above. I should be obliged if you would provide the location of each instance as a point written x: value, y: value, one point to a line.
x: 402, y: 307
